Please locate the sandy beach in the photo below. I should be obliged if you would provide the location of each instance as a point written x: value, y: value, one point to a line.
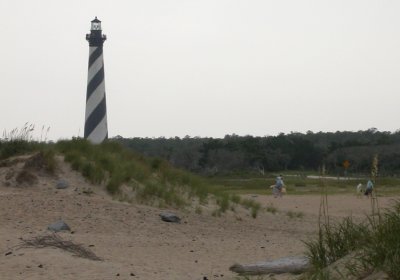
x: 134, y: 243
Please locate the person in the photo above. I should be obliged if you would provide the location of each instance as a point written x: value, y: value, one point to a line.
x: 359, y: 190
x: 278, y: 186
x: 369, y: 188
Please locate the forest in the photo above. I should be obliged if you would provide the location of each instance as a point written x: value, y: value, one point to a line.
x: 341, y: 152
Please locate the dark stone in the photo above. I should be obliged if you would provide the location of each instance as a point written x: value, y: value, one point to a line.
x: 8, y: 253
x: 62, y: 184
x: 58, y: 226
x: 169, y: 217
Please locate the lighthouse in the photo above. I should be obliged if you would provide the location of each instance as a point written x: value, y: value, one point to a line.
x: 96, y: 130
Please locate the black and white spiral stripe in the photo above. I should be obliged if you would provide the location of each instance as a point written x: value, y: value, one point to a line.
x: 96, y: 112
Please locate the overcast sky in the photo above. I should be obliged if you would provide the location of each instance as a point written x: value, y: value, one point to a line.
x: 204, y: 68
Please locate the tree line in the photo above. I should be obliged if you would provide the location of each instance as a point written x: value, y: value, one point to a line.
x: 293, y: 151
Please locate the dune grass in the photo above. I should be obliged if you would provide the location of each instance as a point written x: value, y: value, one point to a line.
x: 377, y: 239
x: 154, y: 181
x: 374, y: 242
x: 20, y: 141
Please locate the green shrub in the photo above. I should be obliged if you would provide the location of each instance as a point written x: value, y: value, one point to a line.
x: 111, y: 147
x: 16, y: 147
x: 152, y: 191
x: 137, y: 170
x: 74, y: 159
x: 107, y: 163
x: 50, y: 162
x: 377, y: 239
x: 254, y: 211
x: 93, y: 173
x: 252, y: 205
x: 155, y: 163
x: 382, y: 248
x: 113, y: 184
x: 223, y: 202
x: 235, y: 198
x: 336, y: 241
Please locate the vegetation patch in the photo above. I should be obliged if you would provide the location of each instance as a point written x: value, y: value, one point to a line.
x: 152, y: 180
x: 376, y: 240
x: 252, y: 205
x: 240, y: 156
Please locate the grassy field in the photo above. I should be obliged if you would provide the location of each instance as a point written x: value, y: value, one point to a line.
x: 300, y: 185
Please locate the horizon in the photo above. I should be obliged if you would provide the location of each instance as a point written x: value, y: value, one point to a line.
x: 42, y: 134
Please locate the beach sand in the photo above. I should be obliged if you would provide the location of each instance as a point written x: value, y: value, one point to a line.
x: 134, y: 243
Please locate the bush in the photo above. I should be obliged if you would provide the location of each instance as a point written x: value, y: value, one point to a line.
x: 113, y: 186
x: 16, y: 147
x: 93, y: 173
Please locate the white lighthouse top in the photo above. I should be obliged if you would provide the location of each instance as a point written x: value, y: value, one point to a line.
x: 96, y: 24
x: 96, y: 38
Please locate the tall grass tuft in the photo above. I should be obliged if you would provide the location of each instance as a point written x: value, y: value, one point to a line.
x: 50, y: 163
x: 17, y: 141
x: 382, y: 251
x: 376, y: 240
x: 223, y: 202
x: 336, y: 241
x: 374, y: 196
x: 252, y: 205
x: 378, y: 243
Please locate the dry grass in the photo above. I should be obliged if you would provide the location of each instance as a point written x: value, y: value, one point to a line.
x: 55, y: 241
